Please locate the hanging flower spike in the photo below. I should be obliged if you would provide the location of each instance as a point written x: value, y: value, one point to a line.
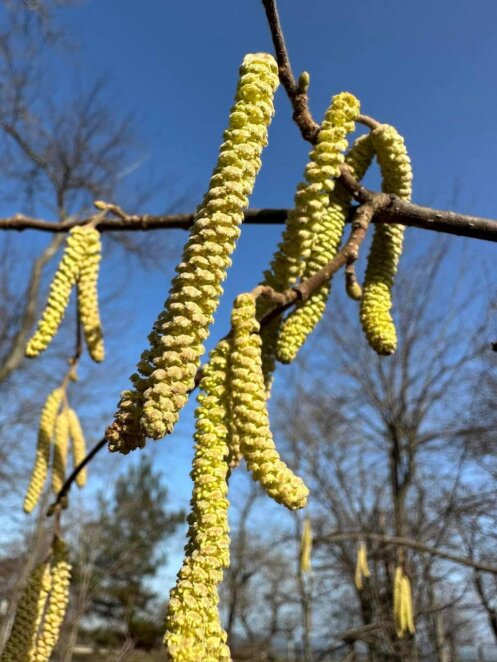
x: 408, y: 618
x: 249, y: 410
x: 78, y: 445
x: 59, y: 461
x: 166, y: 372
x: 60, y: 291
x: 193, y: 629
x: 20, y: 645
x: 397, y: 602
x: 306, y: 546
x: 362, y: 569
x: 45, y: 434
x: 311, y: 200
x: 88, y: 296
x: 386, y: 246
x: 328, y: 226
x: 56, y: 604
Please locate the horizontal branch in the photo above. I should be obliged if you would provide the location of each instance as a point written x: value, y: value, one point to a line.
x: 407, y: 542
x: 393, y: 210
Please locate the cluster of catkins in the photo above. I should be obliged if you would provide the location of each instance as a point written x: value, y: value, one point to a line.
x: 41, y: 609
x: 232, y: 418
x: 402, y: 604
x: 79, y: 266
x: 59, y: 424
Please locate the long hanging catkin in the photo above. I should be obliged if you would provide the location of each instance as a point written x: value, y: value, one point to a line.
x: 402, y: 604
x: 20, y: 645
x: 386, y: 246
x: 311, y: 199
x: 249, y: 410
x: 193, y: 629
x: 167, y: 370
x: 60, y: 291
x: 56, y: 604
x: 88, y: 296
x: 306, y: 546
x: 361, y: 569
x: 328, y: 231
x: 42, y: 459
x: 59, y: 461
x: 78, y: 445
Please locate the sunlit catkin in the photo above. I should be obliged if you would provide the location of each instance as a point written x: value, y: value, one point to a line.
x: 361, y: 568
x: 305, y: 221
x: 386, y: 246
x: 402, y: 604
x: 250, y: 415
x: 42, y: 459
x: 88, y: 296
x: 78, y: 445
x: 60, y: 291
x: 56, y: 604
x: 193, y: 629
x: 167, y: 370
x: 306, y: 546
x: 327, y: 231
x: 61, y: 440
x: 20, y: 645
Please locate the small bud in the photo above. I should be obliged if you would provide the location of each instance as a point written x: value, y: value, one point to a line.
x: 304, y: 80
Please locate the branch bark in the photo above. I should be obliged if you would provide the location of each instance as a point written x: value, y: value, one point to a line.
x: 391, y: 210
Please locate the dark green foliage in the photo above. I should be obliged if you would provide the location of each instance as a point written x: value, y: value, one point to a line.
x: 125, y: 549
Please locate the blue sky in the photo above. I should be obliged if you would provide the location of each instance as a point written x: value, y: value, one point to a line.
x: 426, y: 67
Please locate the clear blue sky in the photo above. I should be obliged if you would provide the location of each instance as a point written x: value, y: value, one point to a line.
x: 426, y: 67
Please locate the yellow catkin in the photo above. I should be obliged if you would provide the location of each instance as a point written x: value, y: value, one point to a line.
x: 42, y: 459
x: 60, y: 291
x: 361, y: 569
x: 56, y: 604
x: 167, y: 370
x: 88, y: 296
x: 402, y: 604
x: 250, y: 415
x: 59, y: 462
x: 78, y: 444
x: 193, y: 629
x: 410, y: 628
x: 20, y: 645
x: 311, y: 200
x: 397, y: 601
x: 386, y: 246
x: 306, y: 546
x: 328, y: 231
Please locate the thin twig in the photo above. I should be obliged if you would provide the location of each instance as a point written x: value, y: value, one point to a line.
x: 402, y: 541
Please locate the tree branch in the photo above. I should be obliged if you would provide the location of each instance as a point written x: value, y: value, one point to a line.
x: 407, y: 542
x: 391, y: 210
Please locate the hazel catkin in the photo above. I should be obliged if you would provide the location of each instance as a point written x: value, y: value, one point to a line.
x: 249, y: 410
x: 60, y: 291
x: 42, y: 459
x: 361, y: 569
x: 327, y: 231
x: 193, y: 629
x: 167, y: 370
x: 30, y: 608
x: 61, y: 440
x: 306, y: 546
x: 78, y: 445
x: 56, y: 604
x: 87, y: 286
x: 386, y: 246
x: 402, y: 604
